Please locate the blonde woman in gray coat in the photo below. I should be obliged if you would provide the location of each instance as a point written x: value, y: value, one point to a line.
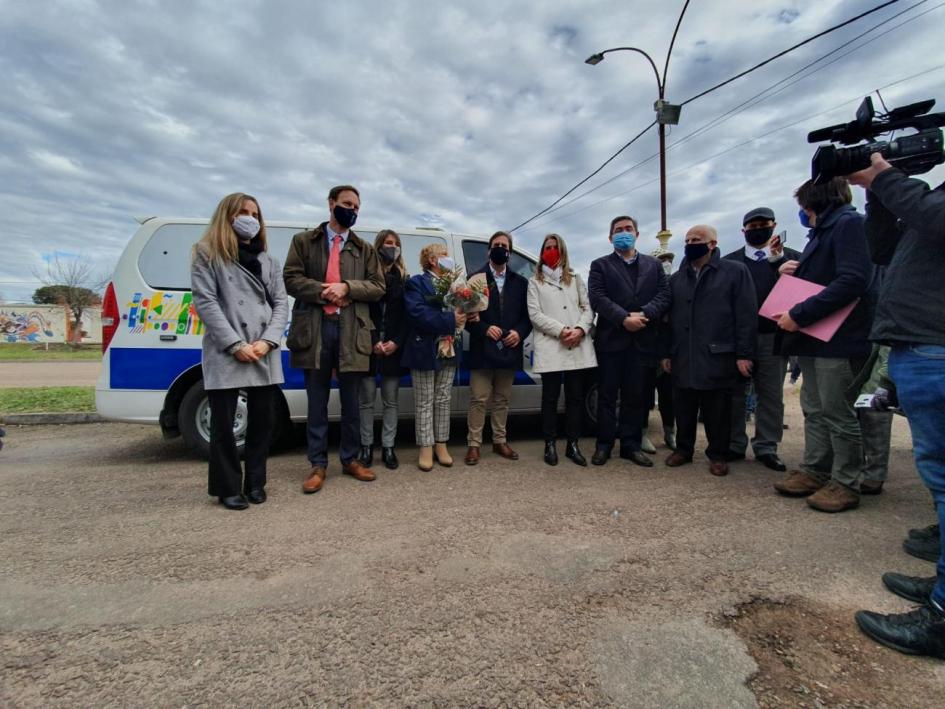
x: 239, y: 295
x: 561, y: 317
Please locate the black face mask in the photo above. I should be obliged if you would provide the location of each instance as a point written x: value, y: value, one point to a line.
x: 499, y: 255
x: 759, y: 236
x: 344, y: 216
x: 694, y: 252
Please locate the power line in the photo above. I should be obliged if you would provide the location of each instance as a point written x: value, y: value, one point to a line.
x: 704, y: 93
x: 766, y: 93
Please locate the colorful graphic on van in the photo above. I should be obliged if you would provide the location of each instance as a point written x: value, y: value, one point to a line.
x: 171, y: 313
x: 26, y: 326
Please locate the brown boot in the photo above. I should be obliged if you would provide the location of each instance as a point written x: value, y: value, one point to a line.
x: 472, y: 455
x: 358, y: 471
x: 797, y: 483
x: 834, y: 497
x: 425, y: 461
x: 505, y: 450
x: 442, y: 455
x: 718, y: 467
x: 315, y: 480
x: 676, y: 459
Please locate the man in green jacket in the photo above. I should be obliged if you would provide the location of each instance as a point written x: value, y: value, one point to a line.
x: 333, y: 275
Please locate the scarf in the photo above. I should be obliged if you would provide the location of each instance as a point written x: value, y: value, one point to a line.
x: 552, y: 274
x: 249, y: 257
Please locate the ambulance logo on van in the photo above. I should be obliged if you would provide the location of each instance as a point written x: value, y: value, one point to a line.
x: 171, y: 313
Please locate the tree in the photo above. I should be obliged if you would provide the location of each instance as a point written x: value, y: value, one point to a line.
x: 71, y: 283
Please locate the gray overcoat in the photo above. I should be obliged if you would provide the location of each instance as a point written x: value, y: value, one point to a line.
x: 233, y: 307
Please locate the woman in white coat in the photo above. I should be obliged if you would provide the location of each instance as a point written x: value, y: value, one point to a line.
x: 561, y: 315
x: 240, y: 297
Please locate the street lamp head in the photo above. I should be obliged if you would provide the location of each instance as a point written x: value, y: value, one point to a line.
x: 594, y: 59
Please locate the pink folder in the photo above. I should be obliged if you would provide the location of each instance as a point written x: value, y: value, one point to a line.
x: 789, y: 291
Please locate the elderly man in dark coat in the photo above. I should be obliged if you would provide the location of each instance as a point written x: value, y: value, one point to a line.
x: 714, y: 332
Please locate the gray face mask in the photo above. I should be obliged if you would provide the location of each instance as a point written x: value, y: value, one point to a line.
x: 245, y: 226
x: 668, y: 267
x: 389, y: 253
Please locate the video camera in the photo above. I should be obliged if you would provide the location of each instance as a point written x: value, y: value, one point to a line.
x: 913, y: 154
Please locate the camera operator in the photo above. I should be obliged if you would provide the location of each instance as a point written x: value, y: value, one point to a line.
x: 906, y: 232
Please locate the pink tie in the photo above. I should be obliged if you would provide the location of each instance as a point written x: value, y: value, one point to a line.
x: 333, y: 272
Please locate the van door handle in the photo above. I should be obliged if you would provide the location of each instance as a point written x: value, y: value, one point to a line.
x: 168, y: 338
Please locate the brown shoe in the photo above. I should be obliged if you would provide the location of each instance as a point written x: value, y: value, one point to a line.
x: 834, y: 497
x: 718, y: 468
x: 315, y: 480
x: 797, y: 483
x: 472, y: 455
x: 505, y: 451
x: 871, y: 487
x: 358, y: 471
x: 676, y: 459
x: 425, y: 459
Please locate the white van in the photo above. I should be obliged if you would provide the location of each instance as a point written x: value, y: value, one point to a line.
x: 151, y: 334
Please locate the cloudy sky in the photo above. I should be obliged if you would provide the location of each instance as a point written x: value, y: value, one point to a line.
x: 471, y: 116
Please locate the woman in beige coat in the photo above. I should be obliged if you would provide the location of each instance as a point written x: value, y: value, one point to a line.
x: 561, y: 316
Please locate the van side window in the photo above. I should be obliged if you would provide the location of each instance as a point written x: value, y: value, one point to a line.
x: 476, y: 253
x: 164, y: 261
x: 410, y: 247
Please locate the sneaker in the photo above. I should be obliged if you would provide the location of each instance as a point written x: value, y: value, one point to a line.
x: 834, y: 497
x: 797, y: 483
x: 919, y: 632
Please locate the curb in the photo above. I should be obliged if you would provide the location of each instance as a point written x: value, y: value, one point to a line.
x: 60, y: 418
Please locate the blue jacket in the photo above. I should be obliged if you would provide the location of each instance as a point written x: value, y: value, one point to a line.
x: 509, y: 314
x: 426, y: 324
x: 614, y: 294
x: 836, y: 256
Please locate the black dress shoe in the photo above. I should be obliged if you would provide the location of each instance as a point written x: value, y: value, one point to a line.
x: 366, y: 456
x: 928, y: 549
x: 930, y: 532
x: 638, y: 457
x: 235, y: 502
x: 257, y: 496
x: 389, y: 458
x: 772, y: 461
x: 600, y: 456
x: 574, y: 453
x: 919, y: 632
x: 551, y: 453
x: 912, y: 588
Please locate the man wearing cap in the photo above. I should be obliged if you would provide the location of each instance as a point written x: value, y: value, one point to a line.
x: 763, y: 255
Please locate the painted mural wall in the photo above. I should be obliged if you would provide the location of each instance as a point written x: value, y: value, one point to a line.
x: 39, y: 324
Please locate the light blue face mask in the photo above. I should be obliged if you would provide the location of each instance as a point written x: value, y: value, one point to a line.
x: 245, y: 226
x: 624, y: 241
x: 446, y: 263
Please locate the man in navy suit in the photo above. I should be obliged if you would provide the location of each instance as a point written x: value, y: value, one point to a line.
x: 630, y: 293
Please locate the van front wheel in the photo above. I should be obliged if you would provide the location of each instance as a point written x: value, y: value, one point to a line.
x: 194, y: 420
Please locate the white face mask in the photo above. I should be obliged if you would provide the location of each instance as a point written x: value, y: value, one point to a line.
x: 668, y: 267
x: 245, y: 226
x: 446, y: 263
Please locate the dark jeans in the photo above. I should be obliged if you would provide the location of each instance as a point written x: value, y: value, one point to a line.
x: 573, y: 397
x: 768, y: 378
x: 716, y: 405
x: 226, y: 474
x: 919, y: 374
x: 318, y: 388
x: 621, y: 373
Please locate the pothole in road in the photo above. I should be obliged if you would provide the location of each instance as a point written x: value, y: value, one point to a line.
x: 813, y: 655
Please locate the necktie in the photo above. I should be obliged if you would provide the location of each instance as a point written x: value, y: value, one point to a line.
x: 333, y: 272
x: 759, y: 255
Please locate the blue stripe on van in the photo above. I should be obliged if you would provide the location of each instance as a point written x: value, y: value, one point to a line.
x: 157, y: 369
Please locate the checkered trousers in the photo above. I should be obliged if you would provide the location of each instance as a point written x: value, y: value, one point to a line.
x: 431, y: 399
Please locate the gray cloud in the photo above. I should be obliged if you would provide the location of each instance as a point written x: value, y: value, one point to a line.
x: 472, y: 117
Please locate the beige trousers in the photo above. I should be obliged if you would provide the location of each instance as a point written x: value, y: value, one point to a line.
x: 490, y: 388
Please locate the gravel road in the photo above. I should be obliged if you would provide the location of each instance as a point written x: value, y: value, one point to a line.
x: 501, y: 585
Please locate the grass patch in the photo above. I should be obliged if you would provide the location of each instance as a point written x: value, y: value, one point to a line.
x: 58, y: 352
x: 47, y: 400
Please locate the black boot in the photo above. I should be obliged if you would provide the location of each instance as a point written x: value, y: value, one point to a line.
x: 389, y: 458
x: 574, y: 453
x: 366, y: 456
x: 551, y: 453
x: 927, y: 548
x: 919, y: 632
x: 930, y: 532
x: 600, y: 455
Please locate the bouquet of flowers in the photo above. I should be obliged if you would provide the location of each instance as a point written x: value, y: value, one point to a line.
x: 455, y: 292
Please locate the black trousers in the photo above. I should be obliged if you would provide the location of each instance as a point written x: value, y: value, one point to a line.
x: 573, y: 398
x: 621, y: 373
x: 226, y: 474
x: 660, y: 392
x: 716, y: 405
